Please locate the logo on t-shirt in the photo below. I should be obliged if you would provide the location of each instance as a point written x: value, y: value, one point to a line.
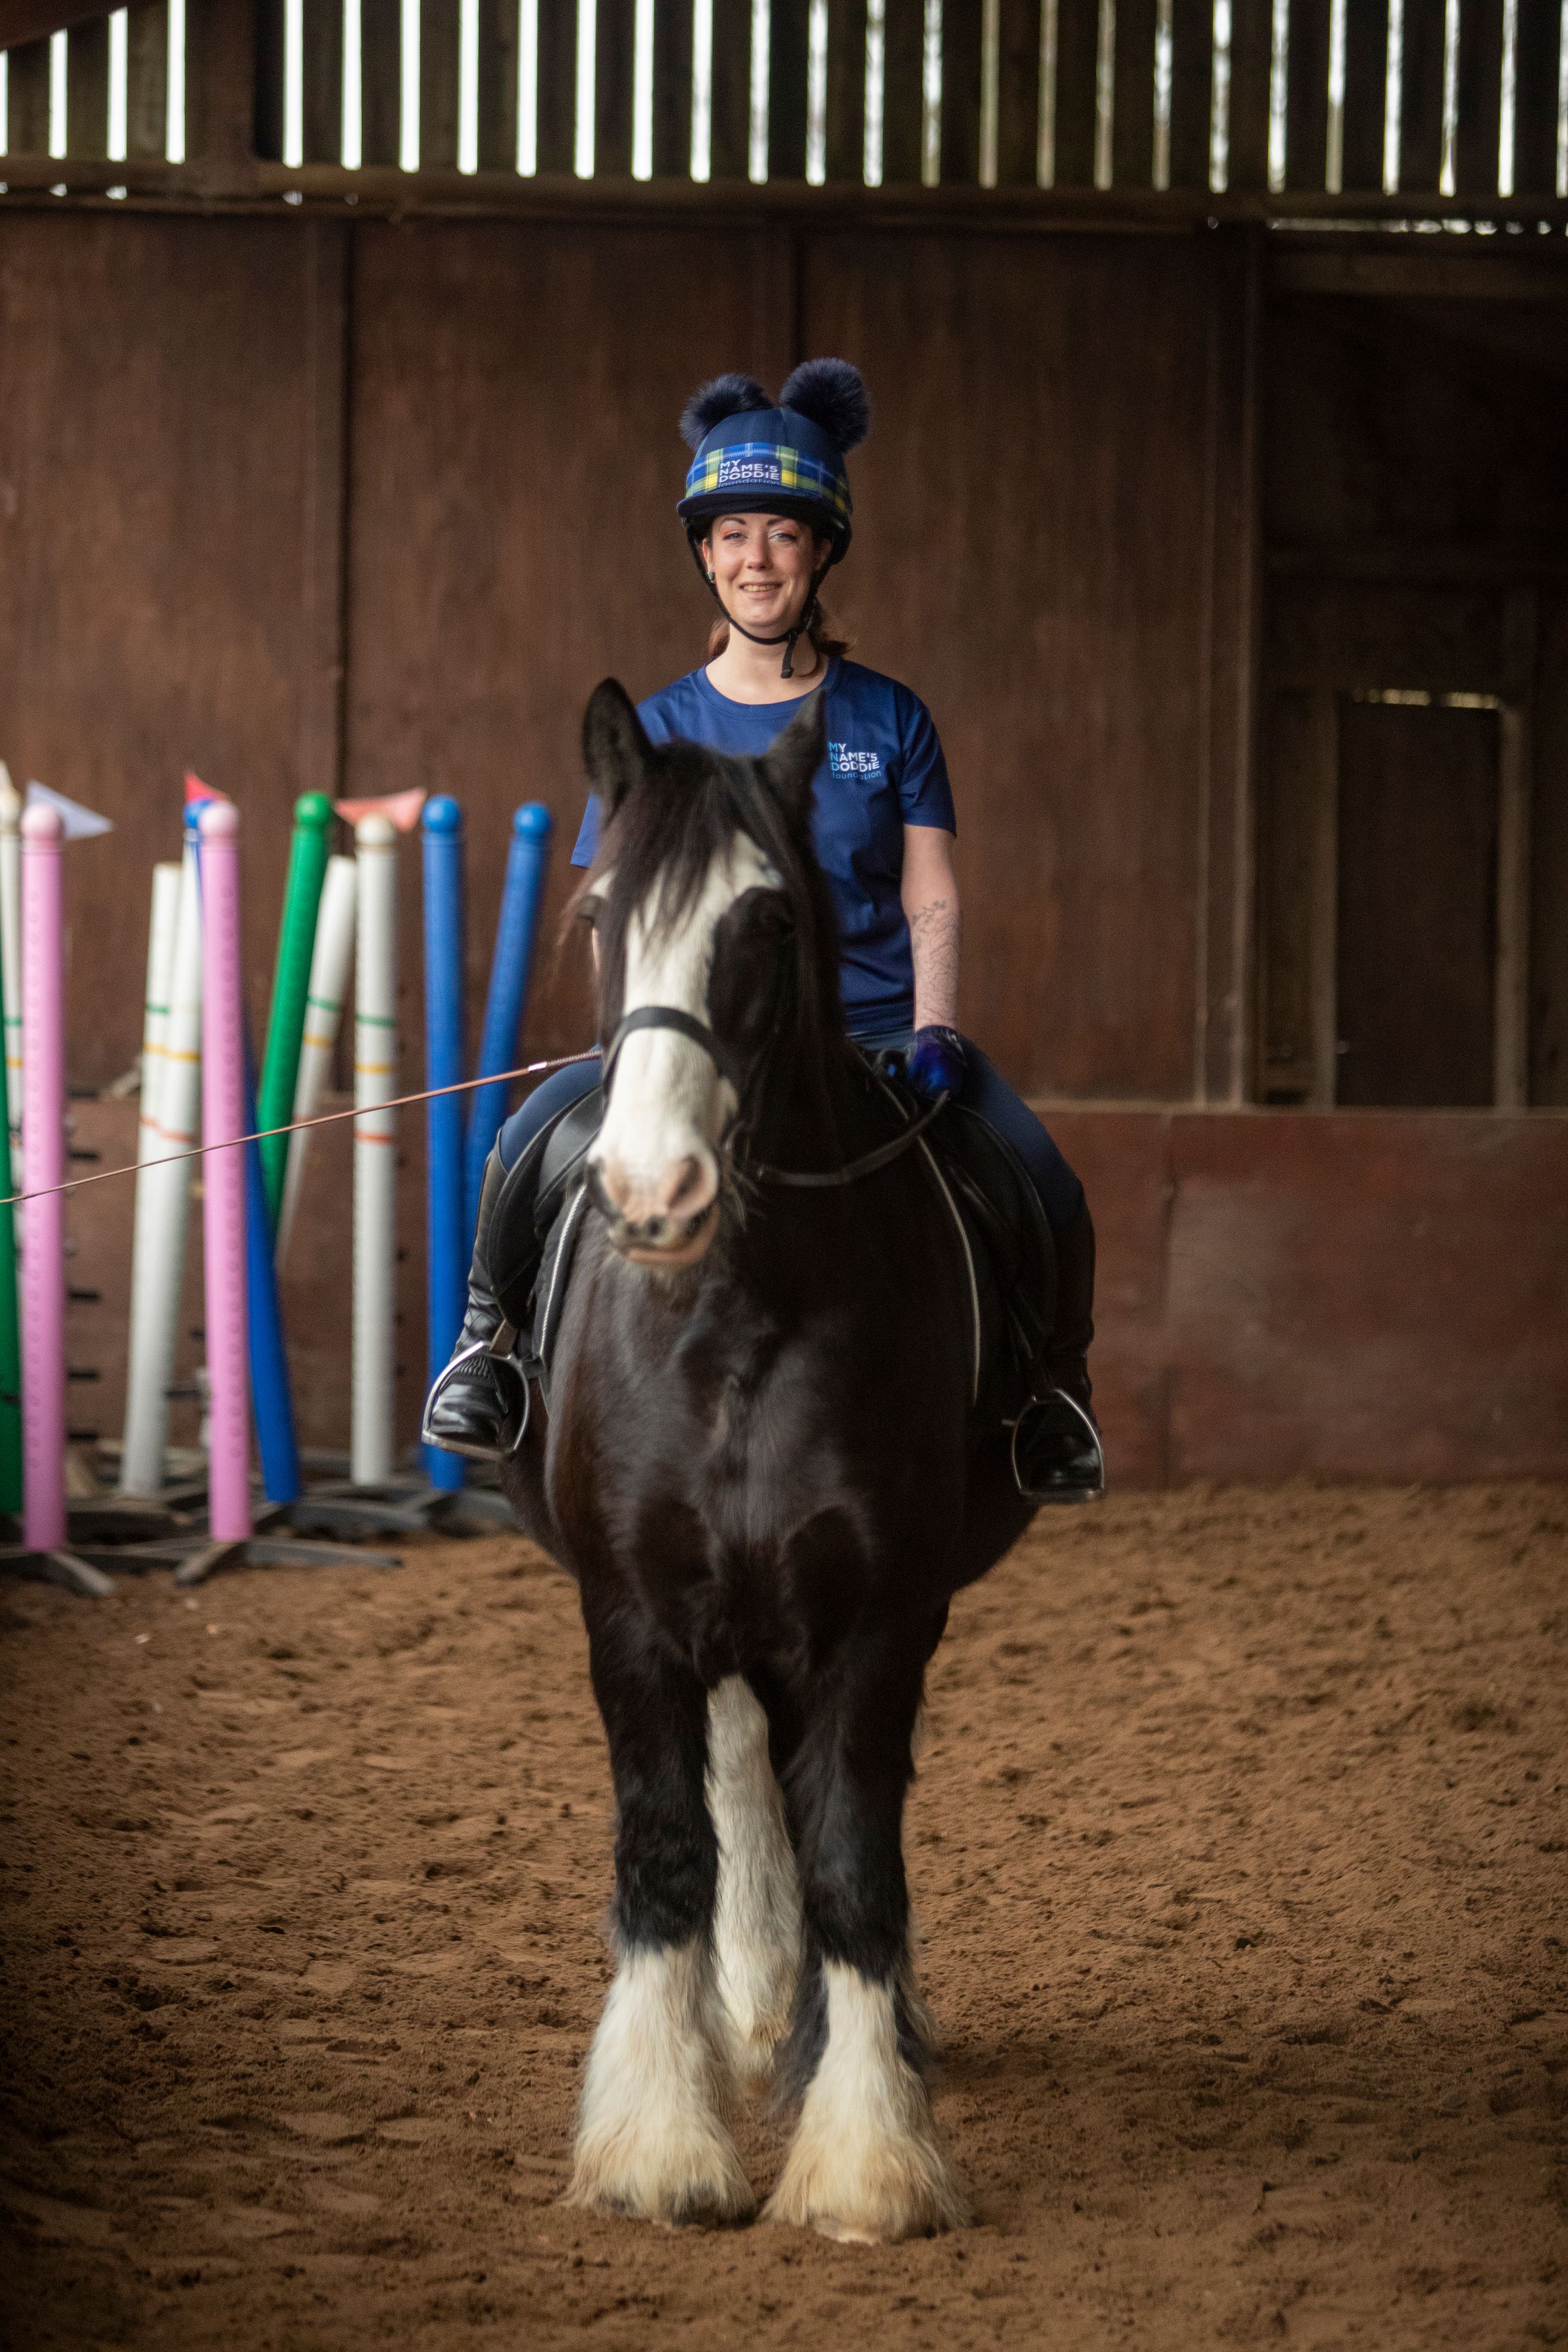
x: 846, y: 762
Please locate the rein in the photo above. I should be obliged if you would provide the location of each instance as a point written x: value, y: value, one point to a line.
x: 686, y: 1025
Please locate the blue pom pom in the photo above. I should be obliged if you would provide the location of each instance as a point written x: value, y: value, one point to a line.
x: 727, y: 396
x: 833, y: 395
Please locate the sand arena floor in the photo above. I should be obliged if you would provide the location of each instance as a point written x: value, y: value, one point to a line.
x: 1239, y: 1851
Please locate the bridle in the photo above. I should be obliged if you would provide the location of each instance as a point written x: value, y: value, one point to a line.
x: 686, y: 1025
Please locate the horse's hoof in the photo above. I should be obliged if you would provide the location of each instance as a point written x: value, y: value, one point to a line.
x: 719, y: 2203
x: 844, y: 2233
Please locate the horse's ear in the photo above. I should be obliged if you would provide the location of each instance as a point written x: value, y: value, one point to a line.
x: 793, y: 759
x: 615, y: 749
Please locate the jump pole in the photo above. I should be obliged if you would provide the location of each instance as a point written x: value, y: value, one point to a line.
x: 162, y: 1197
x: 371, y: 1456
x: 271, y: 1395
x: 223, y: 1121
x: 161, y: 931
x: 44, y: 1147
x: 10, y: 1331
x: 11, y: 957
x: 330, y: 963
x: 313, y: 822
x: 507, y: 995
x: 446, y: 1233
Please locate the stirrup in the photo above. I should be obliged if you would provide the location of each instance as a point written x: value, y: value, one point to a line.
x: 506, y: 1361
x: 1059, y: 1416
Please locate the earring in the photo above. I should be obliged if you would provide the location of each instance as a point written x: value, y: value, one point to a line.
x: 710, y: 575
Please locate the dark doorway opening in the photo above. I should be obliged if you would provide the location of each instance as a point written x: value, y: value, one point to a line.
x: 1416, y: 934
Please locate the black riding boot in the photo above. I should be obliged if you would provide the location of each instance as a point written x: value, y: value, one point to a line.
x: 479, y: 1405
x: 1057, y: 1455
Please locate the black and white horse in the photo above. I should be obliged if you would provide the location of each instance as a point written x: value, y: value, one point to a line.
x: 760, y: 1468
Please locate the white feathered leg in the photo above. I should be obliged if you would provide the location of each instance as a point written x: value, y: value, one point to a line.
x: 651, y: 2136
x: 864, y: 2163
x: 757, y: 1921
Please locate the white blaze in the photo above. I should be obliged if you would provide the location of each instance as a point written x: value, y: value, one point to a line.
x: 668, y: 1103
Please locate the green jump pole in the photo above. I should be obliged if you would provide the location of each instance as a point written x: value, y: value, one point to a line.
x: 290, y: 982
x: 10, y: 1344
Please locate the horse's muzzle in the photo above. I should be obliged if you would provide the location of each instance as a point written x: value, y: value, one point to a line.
x: 663, y: 1237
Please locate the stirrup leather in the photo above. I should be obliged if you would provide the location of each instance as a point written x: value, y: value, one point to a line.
x: 1059, y: 1416
x: 507, y: 1375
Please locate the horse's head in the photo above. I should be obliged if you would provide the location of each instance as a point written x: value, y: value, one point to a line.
x: 715, y: 934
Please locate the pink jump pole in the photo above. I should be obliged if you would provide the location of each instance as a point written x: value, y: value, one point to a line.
x: 222, y: 1176
x: 43, y: 1150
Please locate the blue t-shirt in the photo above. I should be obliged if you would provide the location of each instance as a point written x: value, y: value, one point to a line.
x: 884, y: 770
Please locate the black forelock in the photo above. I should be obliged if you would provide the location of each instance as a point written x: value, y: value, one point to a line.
x: 662, y: 841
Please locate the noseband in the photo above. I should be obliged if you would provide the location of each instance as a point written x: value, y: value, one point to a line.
x: 686, y: 1025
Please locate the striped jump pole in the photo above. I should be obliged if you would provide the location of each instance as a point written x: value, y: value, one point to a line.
x: 313, y: 822
x: 507, y: 995
x: 330, y: 963
x: 370, y: 1452
x: 164, y: 1194
x: 223, y: 1177
x: 43, y: 1150
x: 447, y: 1234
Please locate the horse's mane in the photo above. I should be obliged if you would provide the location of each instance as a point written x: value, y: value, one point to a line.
x: 659, y: 845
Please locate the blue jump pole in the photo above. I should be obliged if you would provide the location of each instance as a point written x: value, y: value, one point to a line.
x: 525, y: 867
x: 272, y: 1400
x: 447, y: 1230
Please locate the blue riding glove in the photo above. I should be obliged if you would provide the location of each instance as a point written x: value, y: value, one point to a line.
x: 938, y: 1064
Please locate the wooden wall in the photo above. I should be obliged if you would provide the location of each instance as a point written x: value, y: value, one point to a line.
x: 300, y: 504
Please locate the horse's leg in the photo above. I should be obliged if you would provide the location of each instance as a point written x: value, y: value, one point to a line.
x: 757, y: 1922
x: 651, y: 2134
x: 864, y: 2163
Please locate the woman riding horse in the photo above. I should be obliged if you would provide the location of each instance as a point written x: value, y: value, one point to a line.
x: 767, y: 514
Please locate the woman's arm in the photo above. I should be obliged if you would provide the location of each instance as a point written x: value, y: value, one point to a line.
x: 930, y: 892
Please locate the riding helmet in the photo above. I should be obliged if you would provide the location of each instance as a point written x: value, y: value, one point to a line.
x: 755, y: 457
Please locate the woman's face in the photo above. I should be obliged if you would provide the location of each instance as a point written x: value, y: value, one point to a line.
x: 762, y: 566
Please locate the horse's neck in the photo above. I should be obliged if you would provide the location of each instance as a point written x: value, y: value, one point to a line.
x: 813, y: 1108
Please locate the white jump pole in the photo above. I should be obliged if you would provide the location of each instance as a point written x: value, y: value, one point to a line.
x: 161, y: 933
x: 11, y: 957
x: 330, y: 965
x: 375, y: 1154
x: 163, y: 1199
x: 44, y: 1250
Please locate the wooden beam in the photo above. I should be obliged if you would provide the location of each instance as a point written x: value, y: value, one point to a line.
x: 671, y: 90
x: 846, y: 90
x: 382, y: 190
x: 1192, y: 92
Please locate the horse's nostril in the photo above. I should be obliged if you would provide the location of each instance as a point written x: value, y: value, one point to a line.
x: 693, y: 1189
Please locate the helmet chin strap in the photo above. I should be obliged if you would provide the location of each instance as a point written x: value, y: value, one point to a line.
x: 790, y: 636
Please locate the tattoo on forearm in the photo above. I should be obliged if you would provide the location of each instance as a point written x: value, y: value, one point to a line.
x: 933, y: 940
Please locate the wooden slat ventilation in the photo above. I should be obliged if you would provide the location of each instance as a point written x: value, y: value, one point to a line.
x: 1295, y: 96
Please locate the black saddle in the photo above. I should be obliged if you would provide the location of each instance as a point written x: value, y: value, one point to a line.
x: 538, y: 1217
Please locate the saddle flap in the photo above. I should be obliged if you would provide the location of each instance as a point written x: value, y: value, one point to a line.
x: 1011, y: 1244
